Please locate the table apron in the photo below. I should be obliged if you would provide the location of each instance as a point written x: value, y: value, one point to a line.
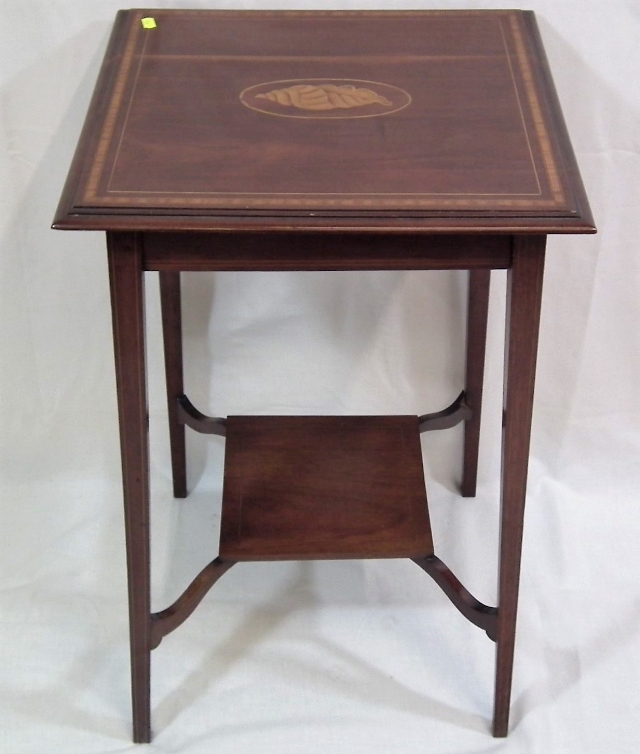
x: 195, y: 251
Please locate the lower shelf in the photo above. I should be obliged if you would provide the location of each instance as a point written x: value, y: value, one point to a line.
x: 323, y: 487
x: 319, y: 488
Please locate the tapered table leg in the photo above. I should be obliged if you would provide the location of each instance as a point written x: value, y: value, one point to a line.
x: 524, y: 291
x: 172, y: 334
x: 477, y: 313
x: 127, y: 303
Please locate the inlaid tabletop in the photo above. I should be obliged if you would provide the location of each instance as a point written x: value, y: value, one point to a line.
x: 213, y: 118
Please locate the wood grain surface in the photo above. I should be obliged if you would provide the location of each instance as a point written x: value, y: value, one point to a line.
x: 301, y: 487
x: 321, y: 140
x: 222, y: 118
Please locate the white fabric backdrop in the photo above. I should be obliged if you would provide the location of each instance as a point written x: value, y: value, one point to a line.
x: 341, y: 657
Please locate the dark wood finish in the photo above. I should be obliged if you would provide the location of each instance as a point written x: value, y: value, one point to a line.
x: 436, y: 79
x: 524, y: 294
x: 189, y: 415
x: 182, y: 134
x: 480, y: 615
x: 558, y: 133
x: 336, y: 251
x: 172, y: 336
x: 457, y: 412
x: 320, y: 487
x: 429, y: 227
x: 127, y: 303
x: 93, y: 123
x: 477, y: 314
x: 175, y: 615
x: 462, y: 162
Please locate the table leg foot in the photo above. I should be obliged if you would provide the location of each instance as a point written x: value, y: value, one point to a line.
x: 172, y: 334
x: 477, y: 313
x: 141, y: 677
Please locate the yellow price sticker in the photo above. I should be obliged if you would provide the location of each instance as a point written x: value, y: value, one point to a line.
x: 148, y: 23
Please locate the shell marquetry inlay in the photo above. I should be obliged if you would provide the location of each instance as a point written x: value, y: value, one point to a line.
x: 324, y: 97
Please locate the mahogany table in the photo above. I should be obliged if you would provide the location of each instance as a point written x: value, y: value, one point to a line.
x: 293, y: 140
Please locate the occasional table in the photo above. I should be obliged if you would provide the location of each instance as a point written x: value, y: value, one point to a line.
x: 312, y: 140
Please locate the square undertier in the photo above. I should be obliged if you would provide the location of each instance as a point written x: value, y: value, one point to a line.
x: 323, y: 487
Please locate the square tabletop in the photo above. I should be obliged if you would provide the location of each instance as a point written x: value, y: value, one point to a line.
x: 421, y: 120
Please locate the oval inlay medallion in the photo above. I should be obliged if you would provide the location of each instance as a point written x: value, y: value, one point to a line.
x: 325, y: 98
